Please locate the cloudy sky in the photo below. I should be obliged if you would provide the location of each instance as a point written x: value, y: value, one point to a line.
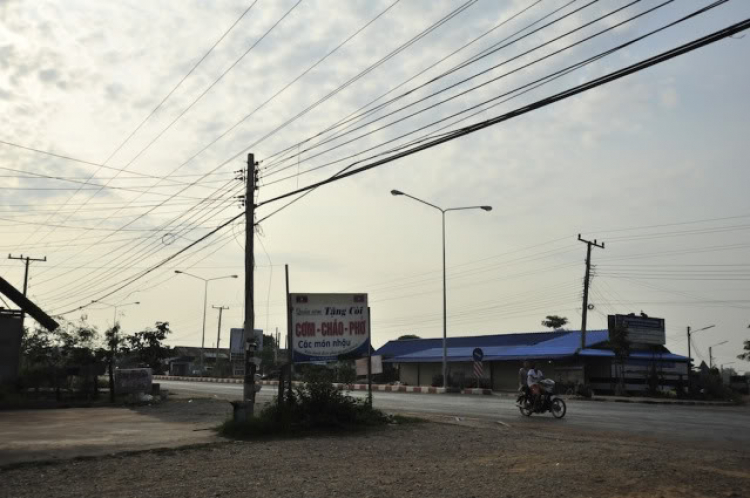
x: 154, y: 106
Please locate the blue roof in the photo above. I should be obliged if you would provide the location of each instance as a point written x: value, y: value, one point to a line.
x: 548, y: 345
x: 398, y: 348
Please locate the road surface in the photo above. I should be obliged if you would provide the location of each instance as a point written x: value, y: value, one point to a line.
x: 717, y: 425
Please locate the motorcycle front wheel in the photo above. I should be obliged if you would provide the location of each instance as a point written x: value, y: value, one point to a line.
x: 558, y: 408
x: 526, y: 408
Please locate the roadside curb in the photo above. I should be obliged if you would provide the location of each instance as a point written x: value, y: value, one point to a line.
x: 343, y: 387
x: 655, y: 401
x: 442, y: 390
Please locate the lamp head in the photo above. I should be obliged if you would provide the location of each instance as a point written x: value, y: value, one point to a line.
x: 486, y: 208
x: 177, y: 271
x: 396, y: 192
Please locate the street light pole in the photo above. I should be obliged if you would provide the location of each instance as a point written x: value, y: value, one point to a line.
x: 711, y: 354
x: 203, y: 333
x: 445, y: 313
x: 113, y: 341
x: 205, y: 305
x: 690, y: 358
x: 445, y: 282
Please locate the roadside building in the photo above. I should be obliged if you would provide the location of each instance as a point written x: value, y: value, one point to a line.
x: 186, y: 360
x: 558, y: 355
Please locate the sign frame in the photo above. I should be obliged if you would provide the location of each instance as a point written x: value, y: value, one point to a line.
x: 329, y: 326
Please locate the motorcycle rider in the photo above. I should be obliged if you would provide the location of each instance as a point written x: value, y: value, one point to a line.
x: 533, y: 377
x: 523, y: 381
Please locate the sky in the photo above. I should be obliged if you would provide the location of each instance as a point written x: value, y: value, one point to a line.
x: 140, y: 114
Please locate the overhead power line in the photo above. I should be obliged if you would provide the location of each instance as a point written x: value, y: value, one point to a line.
x: 602, y: 80
x: 140, y: 125
x: 560, y: 96
x: 358, y: 115
x: 533, y: 84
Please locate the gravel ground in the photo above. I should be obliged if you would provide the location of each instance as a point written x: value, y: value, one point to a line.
x: 472, y: 459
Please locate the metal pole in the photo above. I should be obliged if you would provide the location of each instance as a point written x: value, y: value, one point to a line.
x: 710, y: 357
x: 369, y: 358
x: 203, y: 336
x: 114, y: 318
x: 289, y: 341
x: 445, y: 314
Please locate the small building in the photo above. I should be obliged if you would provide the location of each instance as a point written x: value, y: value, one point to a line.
x: 11, y: 329
x: 557, y: 354
x: 186, y: 360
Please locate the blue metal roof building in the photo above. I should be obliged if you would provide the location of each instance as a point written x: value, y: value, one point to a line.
x: 419, y: 360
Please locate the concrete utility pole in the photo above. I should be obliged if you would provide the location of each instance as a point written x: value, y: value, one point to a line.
x: 27, y: 260
x: 586, y: 281
x: 218, y: 333
x: 249, y: 384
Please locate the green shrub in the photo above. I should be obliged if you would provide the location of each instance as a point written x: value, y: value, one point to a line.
x: 316, y: 405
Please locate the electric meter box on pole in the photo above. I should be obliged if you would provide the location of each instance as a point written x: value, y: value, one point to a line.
x: 327, y: 326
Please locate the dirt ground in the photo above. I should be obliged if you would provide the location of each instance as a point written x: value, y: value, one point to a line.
x: 437, y: 459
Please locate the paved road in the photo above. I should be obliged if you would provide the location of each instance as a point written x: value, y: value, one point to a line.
x: 719, y: 425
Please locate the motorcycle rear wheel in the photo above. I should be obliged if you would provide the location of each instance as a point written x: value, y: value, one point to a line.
x: 558, y: 408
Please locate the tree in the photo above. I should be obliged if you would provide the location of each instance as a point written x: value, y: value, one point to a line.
x: 268, y: 353
x: 618, y: 340
x: 148, y: 347
x: 555, y: 322
x: 746, y: 355
x: 408, y: 337
x: 55, y: 358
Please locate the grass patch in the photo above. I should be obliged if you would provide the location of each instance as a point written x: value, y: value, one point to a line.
x: 407, y: 419
x: 313, y: 408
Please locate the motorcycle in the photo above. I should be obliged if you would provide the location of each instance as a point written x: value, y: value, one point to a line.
x: 549, y: 402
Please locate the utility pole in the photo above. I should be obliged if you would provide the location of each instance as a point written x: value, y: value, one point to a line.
x: 690, y: 358
x: 251, y: 178
x: 27, y: 260
x: 586, y: 281
x: 218, y: 333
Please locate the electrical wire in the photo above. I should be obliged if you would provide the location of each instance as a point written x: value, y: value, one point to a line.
x: 610, y: 77
x: 158, y: 106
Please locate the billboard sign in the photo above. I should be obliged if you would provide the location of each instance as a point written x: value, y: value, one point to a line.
x: 237, y: 343
x: 327, y: 326
x: 641, y: 329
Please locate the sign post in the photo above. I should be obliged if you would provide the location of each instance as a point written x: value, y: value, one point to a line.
x: 369, y: 362
x: 478, y: 356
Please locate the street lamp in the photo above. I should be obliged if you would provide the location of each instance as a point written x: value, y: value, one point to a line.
x: 115, y: 306
x: 690, y: 358
x: 710, y: 353
x: 445, y: 308
x: 113, y: 340
x: 205, y: 303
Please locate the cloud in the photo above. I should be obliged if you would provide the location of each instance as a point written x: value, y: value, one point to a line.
x: 669, y: 98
